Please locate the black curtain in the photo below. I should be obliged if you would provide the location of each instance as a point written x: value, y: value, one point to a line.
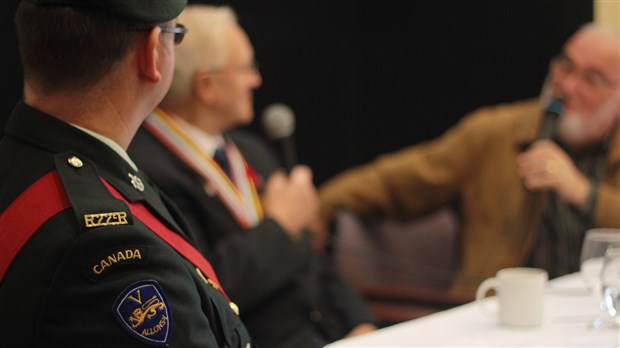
x: 366, y: 78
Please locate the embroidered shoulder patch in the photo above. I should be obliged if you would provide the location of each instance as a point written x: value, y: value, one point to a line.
x: 142, y: 310
x: 116, y: 258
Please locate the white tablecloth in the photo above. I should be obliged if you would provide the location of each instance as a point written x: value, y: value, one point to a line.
x: 568, y: 308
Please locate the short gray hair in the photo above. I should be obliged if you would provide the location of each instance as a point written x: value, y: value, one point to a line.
x: 204, y: 46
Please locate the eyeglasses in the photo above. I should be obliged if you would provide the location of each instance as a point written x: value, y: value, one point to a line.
x: 562, y: 67
x: 247, y: 68
x: 179, y: 32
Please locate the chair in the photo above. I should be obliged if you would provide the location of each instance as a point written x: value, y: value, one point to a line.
x: 402, y: 269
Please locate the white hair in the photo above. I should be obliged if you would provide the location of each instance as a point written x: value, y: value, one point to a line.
x: 203, y: 48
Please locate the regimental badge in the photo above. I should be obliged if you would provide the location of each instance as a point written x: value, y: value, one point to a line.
x: 136, y: 182
x: 142, y: 310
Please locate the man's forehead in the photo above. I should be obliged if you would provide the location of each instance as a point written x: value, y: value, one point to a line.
x: 594, y: 48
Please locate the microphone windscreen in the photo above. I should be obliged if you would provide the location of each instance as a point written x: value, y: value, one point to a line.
x: 553, y: 110
x: 278, y: 121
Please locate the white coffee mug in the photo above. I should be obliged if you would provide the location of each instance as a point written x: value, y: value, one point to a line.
x: 520, y: 296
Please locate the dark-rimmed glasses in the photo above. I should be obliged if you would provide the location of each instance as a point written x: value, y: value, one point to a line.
x: 179, y: 32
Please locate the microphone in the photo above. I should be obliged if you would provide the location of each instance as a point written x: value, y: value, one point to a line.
x: 552, y: 112
x: 278, y: 122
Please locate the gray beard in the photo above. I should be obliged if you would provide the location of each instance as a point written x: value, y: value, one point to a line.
x: 575, y: 129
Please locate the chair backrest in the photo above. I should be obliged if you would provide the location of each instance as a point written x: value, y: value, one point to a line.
x: 407, y: 264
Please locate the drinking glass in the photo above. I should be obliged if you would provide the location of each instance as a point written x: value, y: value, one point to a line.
x: 598, y: 250
x: 610, y: 290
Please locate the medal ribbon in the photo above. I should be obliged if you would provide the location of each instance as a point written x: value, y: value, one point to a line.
x: 238, y: 193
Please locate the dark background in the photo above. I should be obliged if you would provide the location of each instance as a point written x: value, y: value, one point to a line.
x: 367, y: 78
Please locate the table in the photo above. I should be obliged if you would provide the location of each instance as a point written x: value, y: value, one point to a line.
x: 568, y: 307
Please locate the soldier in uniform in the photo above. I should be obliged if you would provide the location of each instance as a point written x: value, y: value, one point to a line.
x: 90, y: 254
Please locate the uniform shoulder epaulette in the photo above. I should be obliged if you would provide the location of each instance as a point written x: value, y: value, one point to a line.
x: 91, y: 201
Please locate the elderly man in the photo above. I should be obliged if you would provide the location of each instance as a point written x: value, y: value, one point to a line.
x: 249, y: 216
x: 526, y: 186
x: 91, y: 255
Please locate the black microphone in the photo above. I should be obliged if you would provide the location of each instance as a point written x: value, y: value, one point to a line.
x: 552, y: 112
x: 278, y: 122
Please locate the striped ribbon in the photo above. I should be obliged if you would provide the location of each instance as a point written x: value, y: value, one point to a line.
x: 238, y: 193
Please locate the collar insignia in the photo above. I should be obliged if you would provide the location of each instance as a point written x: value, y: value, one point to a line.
x: 136, y: 182
x: 142, y: 310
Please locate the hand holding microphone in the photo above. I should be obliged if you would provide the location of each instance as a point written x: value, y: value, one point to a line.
x: 291, y: 200
x: 545, y: 165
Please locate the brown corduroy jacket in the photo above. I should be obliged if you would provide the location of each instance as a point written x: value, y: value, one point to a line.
x: 474, y: 166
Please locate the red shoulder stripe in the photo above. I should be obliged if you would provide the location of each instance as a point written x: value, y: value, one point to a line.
x: 35, y: 206
x: 177, y: 242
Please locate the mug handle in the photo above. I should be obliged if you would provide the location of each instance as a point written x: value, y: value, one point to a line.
x: 488, y: 284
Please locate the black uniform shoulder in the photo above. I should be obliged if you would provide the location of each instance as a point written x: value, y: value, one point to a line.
x: 91, y: 201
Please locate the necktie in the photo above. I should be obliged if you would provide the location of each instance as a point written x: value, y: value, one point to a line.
x: 222, y: 159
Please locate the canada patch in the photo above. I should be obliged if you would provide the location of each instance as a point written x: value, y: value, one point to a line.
x: 142, y: 309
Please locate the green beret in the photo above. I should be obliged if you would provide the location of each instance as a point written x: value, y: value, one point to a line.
x: 147, y: 11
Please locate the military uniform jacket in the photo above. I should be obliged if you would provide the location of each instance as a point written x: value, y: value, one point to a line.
x: 113, y: 284
x: 288, y: 295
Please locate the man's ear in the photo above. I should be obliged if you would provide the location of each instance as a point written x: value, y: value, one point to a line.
x: 204, y: 87
x: 148, y: 56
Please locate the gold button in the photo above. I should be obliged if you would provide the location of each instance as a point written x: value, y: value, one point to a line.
x: 75, y: 162
x: 234, y: 308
